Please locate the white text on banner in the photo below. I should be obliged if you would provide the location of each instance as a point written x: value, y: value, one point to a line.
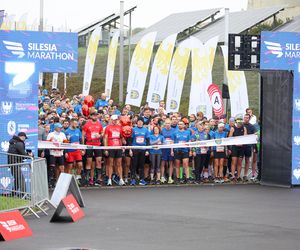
x: 160, y: 71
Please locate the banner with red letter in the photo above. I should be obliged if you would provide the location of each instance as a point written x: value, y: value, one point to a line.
x: 216, y: 100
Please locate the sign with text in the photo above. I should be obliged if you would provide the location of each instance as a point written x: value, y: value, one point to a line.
x: 23, y: 55
x: 13, y: 226
x: 281, y: 51
x: 72, y: 208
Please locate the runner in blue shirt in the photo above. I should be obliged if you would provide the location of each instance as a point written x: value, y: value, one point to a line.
x: 182, y: 136
x: 167, y: 159
x: 219, y: 153
x: 199, y: 153
x: 74, y: 135
x: 140, y: 137
x: 155, y: 154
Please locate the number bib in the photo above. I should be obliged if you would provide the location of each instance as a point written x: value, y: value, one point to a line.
x: 140, y: 139
x: 220, y: 149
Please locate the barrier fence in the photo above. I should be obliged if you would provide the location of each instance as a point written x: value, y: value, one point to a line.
x: 23, y: 183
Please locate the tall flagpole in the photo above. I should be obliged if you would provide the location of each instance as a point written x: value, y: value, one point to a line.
x: 41, y: 26
x: 121, y: 70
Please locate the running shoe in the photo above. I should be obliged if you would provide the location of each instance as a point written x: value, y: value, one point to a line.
x: 109, y: 182
x: 126, y: 181
x: 133, y: 182
x: 121, y: 182
x: 221, y: 180
x: 115, y: 179
x: 239, y: 179
x: 189, y: 181
x: 245, y: 179
x: 91, y: 182
x: 216, y: 180
x: 226, y: 179
x: 163, y: 179
x: 158, y: 182
x: 98, y: 183
x: 252, y: 178
x: 170, y: 181
x: 142, y: 183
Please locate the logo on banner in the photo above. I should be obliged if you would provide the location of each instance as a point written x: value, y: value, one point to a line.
x: 134, y: 94
x: 11, y: 128
x: 274, y: 48
x: 23, y: 127
x: 297, y: 104
x: 44, y: 51
x: 173, y: 104
x: 5, y: 182
x: 155, y: 98
x: 216, y: 99
x: 218, y: 141
x: 15, y: 48
x: 296, y: 173
x: 297, y: 140
x: 6, y: 108
x: 5, y: 146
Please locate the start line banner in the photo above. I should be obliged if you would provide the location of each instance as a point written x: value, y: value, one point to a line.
x: 238, y: 140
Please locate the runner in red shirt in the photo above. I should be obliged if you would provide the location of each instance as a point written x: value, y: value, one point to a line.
x: 113, y: 137
x: 91, y: 135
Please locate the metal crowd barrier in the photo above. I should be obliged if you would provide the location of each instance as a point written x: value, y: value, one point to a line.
x: 23, y: 183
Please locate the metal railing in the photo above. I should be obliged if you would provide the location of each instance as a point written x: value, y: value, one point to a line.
x: 23, y: 183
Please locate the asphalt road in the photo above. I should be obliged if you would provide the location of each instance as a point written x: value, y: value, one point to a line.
x: 191, y: 217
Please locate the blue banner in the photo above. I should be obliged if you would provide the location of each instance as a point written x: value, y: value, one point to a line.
x: 23, y: 54
x: 281, y: 51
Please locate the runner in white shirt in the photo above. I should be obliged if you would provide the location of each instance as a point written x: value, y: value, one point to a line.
x: 56, y: 155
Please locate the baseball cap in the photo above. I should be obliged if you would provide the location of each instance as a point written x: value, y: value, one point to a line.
x: 221, y: 124
x: 22, y: 134
x: 57, y: 125
x: 114, y: 117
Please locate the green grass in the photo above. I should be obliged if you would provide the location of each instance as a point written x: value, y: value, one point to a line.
x: 7, y: 203
x: 74, y: 83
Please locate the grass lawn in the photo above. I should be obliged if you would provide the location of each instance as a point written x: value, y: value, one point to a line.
x: 74, y: 82
x: 11, y: 202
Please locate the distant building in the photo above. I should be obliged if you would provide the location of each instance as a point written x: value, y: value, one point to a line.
x: 291, y: 7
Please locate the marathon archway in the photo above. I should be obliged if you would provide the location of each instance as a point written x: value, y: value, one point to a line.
x: 280, y: 108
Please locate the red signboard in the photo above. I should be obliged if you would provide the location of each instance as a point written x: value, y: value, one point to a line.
x: 73, y: 208
x: 13, y: 226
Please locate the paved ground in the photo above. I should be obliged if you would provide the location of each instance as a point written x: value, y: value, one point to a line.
x: 195, y: 217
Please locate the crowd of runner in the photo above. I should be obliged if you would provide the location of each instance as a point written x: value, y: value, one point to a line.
x: 81, y: 121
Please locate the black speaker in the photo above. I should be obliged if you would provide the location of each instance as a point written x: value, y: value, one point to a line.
x: 225, y: 91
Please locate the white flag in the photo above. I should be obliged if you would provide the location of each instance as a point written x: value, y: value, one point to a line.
x: 177, y: 75
x: 139, y: 68
x: 90, y: 60
x: 41, y: 76
x: 111, y: 59
x: 54, y: 80
x: 237, y: 87
x: 160, y: 71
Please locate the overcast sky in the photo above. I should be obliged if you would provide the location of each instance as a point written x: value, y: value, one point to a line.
x: 76, y: 13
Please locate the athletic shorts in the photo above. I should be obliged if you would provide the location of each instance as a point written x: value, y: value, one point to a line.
x: 247, y: 150
x: 59, y: 161
x: 219, y: 155
x: 237, y: 151
x: 115, y: 153
x: 74, y: 156
x: 180, y: 155
x: 93, y: 152
x: 166, y: 155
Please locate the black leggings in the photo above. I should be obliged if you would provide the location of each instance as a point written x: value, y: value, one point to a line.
x: 138, y: 162
x: 199, y: 161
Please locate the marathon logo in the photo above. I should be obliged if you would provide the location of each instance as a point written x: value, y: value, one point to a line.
x: 292, y: 50
x: 12, y: 226
x: 42, y: 51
